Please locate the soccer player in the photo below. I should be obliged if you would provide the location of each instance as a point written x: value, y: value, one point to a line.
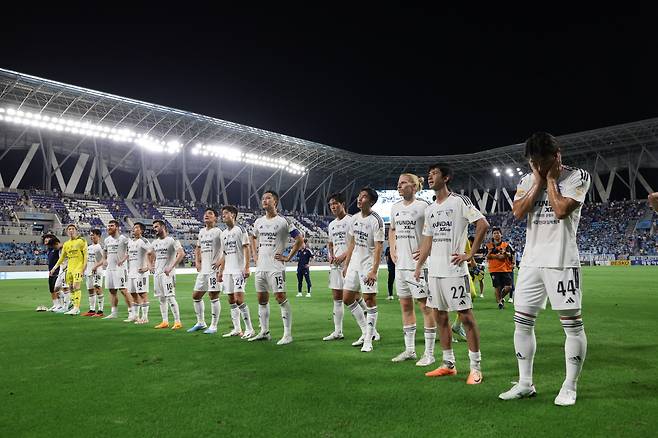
x: 75, y: 251
x: 337, y: 247
x: 235, y: 271
x: 114, y: 258
x: 53, y: 246
x: 168, y: 254
x: 94, y: 275
x: 62, y: 289
x: 304, y: 256
x: 404, y: 237
x: 207, y: 258
x: 390, y: 264
x: 500, y: 255
x: 270, y: 237
x: 445, y: 237
x: 551, y: 198
x: 364, y: 252
x: 138, y: 274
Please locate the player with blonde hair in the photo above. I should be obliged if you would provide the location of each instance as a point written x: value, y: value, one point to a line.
x: 75, y: 251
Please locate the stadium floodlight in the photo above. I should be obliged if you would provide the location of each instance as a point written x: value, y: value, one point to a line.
x: 518, y: 169
x: 231, y: 153
x: 495, y: 170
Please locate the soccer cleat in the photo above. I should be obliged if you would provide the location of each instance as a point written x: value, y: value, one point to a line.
x: 474, y: 377
x: 261, y: 337
x: 162, y: 325
x: 308, y: 295
x: 110, y: 316
x: 130, y: 319
x: 248, y: 334
x: 566, y: 397
x: 481, y: 295
x: 518, y: 391
x: 52, y: 309
x: 443, y: 370
x: 98, y: 315
x: 196, y: 327
x: 334, y: 337
x: 358, y: 342
x: 232, y: 333
x: 177, y: 326
x: 299, y: 295
x: 89, y: 313
x: 501, y: 304
x: 425, y: 360
x: 61, y: 309
x: 367, y: 348
x: 286, y: 339
x: 459, y: 330
x: 405, y: 355
x: 511, y: 300
x: 73, y: 311
x: 376, y: 336
x: 210, y: 331
x: 390, y: 298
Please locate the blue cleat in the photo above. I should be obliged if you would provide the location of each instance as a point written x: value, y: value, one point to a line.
x: 210, y: 331
x: 196, y: 327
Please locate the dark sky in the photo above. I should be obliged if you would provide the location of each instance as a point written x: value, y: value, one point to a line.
x: 386, y: 81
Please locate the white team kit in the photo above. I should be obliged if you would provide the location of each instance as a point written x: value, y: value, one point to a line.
x: 272, y: 235
x: 60, y: 282
x: 408, y: 221
x: 234, y: 240
x: 338, y: 229
x: 550, y: 266
x: 447, y: 224
x: 365, y: 231
x: 94, y: 255
x: 210, y: 244
x: 116, y: 248
x: 165, y: 254
x: 138, y: 282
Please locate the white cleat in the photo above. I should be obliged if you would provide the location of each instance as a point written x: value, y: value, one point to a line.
x: 308, y: 295
x: 390, y: 298
x: 299, y: 295
x: 261, y: 337
x: 287, y: 339
x: 129, y: 319
x: 248, y: 334
x: 481, y: 295
x: 367, y: 348
x: 405, y: 355
x: 425, y: 360
x: 518, y: 391
x: 358, y: 342
x: 73, y: 311
x: 511, y: 300
x: 110, y: 316
x: 233, y: 332
x: 566, y: 397
x: 376, y: 336
x: 334, y: 337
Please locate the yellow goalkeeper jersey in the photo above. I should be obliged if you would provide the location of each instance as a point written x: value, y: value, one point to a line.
x: 75, y: 251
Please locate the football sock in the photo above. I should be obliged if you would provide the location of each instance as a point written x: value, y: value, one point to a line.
x: 92, y: 302
x: 199, y: 309
x: 264, y: 317
x: 575, y: 350
x: 430, y: 340
x: 357, y: 312
x: 286, y: 316
x: 174, y: 308
x: 339, y: 311
x: 449, y: 358
x: 163, y: 309
x: 145, y: 311
x: 235, y: 317
x: 525, y: 345
x: 409, y: 337
x: 215, y: 308
x: 475, y: 357
x: 100, y: 302
x: 371, y: 325
x: 246, y: 317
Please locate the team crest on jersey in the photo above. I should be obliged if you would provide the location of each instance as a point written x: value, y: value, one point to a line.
x: 448, y: 212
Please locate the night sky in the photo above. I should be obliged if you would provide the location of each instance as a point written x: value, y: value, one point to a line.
x: 386, y: 81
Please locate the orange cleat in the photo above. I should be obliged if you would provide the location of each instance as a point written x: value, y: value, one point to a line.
x: 442, y: 371
x: 162, y: 325
x: 98, y: 315
x: 177, y: 326
x: 89, y: 313
x: 474, y: 378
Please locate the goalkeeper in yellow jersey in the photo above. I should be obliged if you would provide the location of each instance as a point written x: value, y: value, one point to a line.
x: 75, y: 251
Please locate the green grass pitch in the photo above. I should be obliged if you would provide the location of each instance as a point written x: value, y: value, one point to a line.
x: 76, y: 376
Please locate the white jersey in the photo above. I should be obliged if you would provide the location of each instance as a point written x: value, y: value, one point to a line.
x: 407, y: 221
x: 366, y: 231
x: 116, y: 250
x: 138, y: 250
x: 165, y: 253
x: 272, y: 236
x: 447, y: 224
x: 210, y: 243
x: 234, y: 241
x: 337, y: 231
x: 551, y: 242
x: 94, y: 255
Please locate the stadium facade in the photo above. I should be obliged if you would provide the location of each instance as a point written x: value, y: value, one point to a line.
x: 76, y: 140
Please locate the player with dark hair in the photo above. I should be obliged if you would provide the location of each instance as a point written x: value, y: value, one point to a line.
x: 94, y: 275
x: 115, y: 256
x: 138, y: 274
x: 500, y: 255
x: 53, y: 246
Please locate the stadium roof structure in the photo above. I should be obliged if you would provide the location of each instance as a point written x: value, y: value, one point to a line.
x: 149, y: 141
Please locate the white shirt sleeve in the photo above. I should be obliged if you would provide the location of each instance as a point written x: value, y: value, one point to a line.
x: 577, y: 185
x: 427, y: 226
x: 177, y: 244
x: 524, y: 185
x: 378, y: 232
x: 471, y: 213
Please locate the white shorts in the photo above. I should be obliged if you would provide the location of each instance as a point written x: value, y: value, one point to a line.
x: 273, y: 282
x: 407, y: 286
x: 115, y: 279
x: 355, y: 281
x: 164, y: 285
x: 60, y: 283
x: 233, y: 283
x: 138, y: 285
x: 94, y: 280
x: 560, y: 285
x: 336, y: 277
x: 207, y: 283
x: 450, y: 294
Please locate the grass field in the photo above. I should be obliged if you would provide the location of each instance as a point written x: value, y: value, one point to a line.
x: 76, y: 376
